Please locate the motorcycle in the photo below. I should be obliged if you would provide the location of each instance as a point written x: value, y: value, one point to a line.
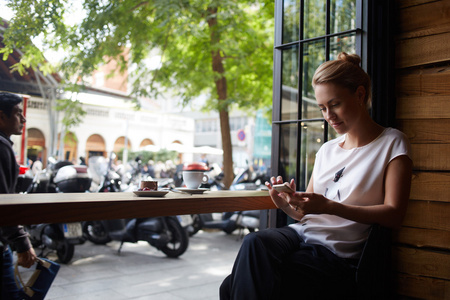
x: 228, y: 221
x: 164, y: 233
x: 61, y: 237
x: 58, y: 177
x: 24, y: 179
x: 104, y: 178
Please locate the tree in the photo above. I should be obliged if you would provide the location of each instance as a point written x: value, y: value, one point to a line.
x: 219, y: 48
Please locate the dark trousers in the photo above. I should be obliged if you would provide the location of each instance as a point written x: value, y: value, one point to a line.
x: 276, y: 263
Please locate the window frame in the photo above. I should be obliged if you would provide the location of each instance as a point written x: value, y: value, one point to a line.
x: 374, y: 44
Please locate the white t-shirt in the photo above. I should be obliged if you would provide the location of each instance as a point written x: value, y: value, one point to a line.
x: 353, y: 177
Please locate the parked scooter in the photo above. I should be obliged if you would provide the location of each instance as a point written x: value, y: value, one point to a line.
x: 164, y: 233
x: 24, y: 179
x: 60, y: 177
x: 229, y: 221
x: 104, y: 177
x: 61, y: 237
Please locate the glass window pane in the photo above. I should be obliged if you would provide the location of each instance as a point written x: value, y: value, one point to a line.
x: 288, y: 151
x: 315, y: 17
x: 332, y: 134
x: 291, y: 21
x: 311, y: 140
x: 289, y: 84
x: 343, y: 15
x: 313, y: 56
x: 342, y: 43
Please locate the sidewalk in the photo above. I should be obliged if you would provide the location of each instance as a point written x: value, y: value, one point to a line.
x: 142, y: 272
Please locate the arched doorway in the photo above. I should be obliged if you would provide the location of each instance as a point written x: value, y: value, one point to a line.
x: 36, y: 145
x: 70, y: 141
x: 95, y: 146
x: 180, y: 153
x: 146, y: 142
x: 119, y: 144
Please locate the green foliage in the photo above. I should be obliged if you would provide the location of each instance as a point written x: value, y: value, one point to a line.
x: 73, y: 112
x: 176, y: 29
x: 219, y: 48
x: 162, y: 155
x: 34, y: 18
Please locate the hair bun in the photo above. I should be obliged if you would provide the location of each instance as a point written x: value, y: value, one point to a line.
x: 351, y: 58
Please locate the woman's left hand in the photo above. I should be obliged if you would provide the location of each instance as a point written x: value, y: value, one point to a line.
x: 309, y: 203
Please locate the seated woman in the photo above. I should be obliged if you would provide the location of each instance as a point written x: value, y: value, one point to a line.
x: 361, y: 178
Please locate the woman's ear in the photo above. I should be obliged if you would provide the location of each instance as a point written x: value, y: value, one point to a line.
x: 361, y: 93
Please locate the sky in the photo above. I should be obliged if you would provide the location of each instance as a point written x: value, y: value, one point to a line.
x: 51, y: 55
x: 5, y: 12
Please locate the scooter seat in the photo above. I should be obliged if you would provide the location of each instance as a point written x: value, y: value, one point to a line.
x: 251, y: 213
x: 151, y: 224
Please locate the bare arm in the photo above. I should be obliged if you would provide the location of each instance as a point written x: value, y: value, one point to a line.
x: 397, y: 184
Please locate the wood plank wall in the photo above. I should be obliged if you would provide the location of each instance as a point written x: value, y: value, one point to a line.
x: 421, y: 251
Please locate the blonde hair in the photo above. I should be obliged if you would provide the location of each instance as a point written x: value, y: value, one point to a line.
x: 346, y: 72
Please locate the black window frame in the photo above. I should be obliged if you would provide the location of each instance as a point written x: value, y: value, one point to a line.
x: 374, y: 43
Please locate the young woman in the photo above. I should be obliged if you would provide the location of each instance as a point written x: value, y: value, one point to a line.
x: 361, y: 178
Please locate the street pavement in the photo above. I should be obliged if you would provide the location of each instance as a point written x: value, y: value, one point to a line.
x: 142, y: 272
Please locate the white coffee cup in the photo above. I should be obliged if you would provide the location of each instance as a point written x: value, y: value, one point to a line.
x: 193, y: 179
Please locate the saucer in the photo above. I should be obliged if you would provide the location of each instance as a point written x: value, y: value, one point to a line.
x: 150, y: 193
x: 192, y: 191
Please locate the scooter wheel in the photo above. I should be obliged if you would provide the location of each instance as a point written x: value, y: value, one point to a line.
x: 65, y: 252
x: 95, y: 232
x: 179, y: 239
x: 196, y: 224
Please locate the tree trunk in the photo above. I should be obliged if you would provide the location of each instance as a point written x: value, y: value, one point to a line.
x: 221, y: 88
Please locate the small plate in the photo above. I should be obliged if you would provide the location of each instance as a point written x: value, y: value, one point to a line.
x: 192, y: 191
x: 150, y: 193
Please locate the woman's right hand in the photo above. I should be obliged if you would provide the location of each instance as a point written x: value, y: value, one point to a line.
x: 277, y: 197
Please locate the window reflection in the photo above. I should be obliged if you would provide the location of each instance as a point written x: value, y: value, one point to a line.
x: 311, y: 140
x: 313, y: 56
x: 288, y: 151
x: 342, y: 43
x: 343, y: 15
x: 302, y: 128
x: 291, y: 21
x: 315, y: 18
x: 332, y: 133
x: 289, y: 80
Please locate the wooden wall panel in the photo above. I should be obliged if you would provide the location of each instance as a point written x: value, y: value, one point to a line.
x: 426, y: 131
x: 422, y: 20
x: 420, y: 287
x: 430, y: 81
x: 431, y: 186
x: 422, y: 51
x: 433, y: 157
x: 409, y: 3
x: 423, y: 107
x: 428, y: 214
x: 422, y: 238
x: 421, y: 251
x: 421, y: 263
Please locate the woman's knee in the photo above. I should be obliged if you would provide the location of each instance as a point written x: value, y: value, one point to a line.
x: 257, y: 238
x: 225, y: 287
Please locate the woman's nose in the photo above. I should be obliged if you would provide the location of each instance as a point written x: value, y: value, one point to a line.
x: 330, y: 115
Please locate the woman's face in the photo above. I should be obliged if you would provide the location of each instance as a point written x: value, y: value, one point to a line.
x: 340, y: 107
